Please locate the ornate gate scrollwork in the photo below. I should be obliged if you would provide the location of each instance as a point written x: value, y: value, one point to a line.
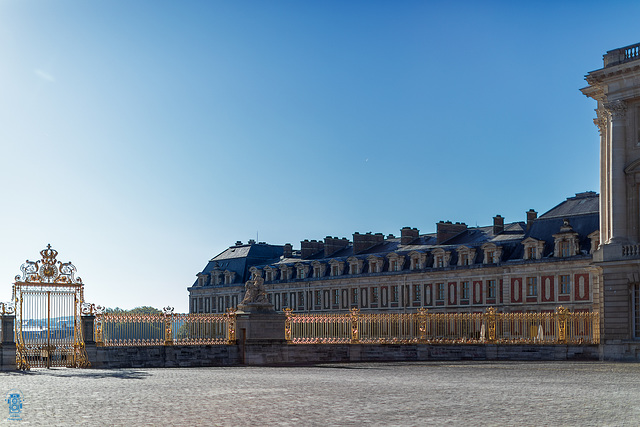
x: 48, y: 299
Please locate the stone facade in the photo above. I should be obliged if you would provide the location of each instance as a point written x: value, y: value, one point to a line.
x: 583, y: 254
x: 536, y: 265
x: 616, y: 88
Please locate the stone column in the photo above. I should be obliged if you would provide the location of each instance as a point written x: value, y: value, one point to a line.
x: 88, y: 329
x: 601, y: 122
x: 618, y: 188
x: 89, y: 338
x: 8, y: 346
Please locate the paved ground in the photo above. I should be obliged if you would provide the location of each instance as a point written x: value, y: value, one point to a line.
x: 437, y: 393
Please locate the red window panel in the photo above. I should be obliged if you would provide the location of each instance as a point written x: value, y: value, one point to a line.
x: 548, y: 288
x: 516, y: 289
x: 453, y: 294
x: 477, y: 292
x: 581, y: 287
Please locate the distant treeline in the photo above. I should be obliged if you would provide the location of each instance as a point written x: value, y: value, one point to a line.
x: 138, y: 310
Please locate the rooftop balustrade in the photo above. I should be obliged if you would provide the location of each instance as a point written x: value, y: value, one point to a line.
x: 622, y: 55
x: 631, y: 251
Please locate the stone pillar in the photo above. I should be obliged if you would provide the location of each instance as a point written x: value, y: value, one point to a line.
x: 8, y: 346
x: 88, y: 329
x: 602, y: 123
x: 260, y: 332
x: 259, y: 325
x: 88, y: 334
x: 618, y: 185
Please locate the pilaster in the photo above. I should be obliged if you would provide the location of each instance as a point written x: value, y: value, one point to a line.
x: 617, y: 186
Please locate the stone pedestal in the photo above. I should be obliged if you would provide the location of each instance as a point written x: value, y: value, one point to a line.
x: 260, y: 334
x: 7, y: 344
x: 259, y: 322
x: 7, y: 329
x: 88, y: 334
x: 88, y: 329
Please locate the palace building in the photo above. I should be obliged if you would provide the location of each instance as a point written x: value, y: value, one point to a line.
x: 583, y: 254
x: 535, y: 265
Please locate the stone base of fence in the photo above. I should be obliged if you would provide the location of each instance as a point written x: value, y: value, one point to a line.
x: 268, y: 353
x: 174, y: 356
x: 620, y: 350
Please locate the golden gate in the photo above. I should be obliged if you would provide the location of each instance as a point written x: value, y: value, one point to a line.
x: 48, y: 300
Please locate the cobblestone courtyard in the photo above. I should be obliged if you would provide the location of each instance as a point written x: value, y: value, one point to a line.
x: 437, y: 393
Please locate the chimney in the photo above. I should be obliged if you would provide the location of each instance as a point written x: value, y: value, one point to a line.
x: 446, y: 230
x: 531, y: 216
x: 362, y: 242
x: 333, y: 245
x: 408, y: 235
x: 287, y: 250
x: 498, y: 224
x: 308, y: 248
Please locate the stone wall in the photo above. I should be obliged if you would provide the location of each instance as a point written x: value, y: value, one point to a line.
x: 283, y: 354
x: 163, y: 356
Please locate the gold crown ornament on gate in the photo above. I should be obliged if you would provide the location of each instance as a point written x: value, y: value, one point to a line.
x: 48, y: 269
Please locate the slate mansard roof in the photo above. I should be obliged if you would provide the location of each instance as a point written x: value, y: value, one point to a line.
x: 582, y: 212
x: 240, y: 258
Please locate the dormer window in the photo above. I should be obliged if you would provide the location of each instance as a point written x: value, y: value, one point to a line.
x: 396, y: 262
x: 355, y: 265
x: 318, y: 269
x: 302, y: 270
x: 286, y: 272
x: 492, y: 253
x: 566, y: 241
x: 375, y: 264
x: 595, y: 241
x: 203, y: 280
x: 418, y: 260
x: 533, y: 248
x: 466, y: 255
x: 270, y: 274
x: 216, y: 277
x: 337, y: 267
x: 229, y: 277
x: 441, y: 258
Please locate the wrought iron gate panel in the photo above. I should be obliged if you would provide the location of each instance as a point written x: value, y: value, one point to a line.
x: 48, y: 300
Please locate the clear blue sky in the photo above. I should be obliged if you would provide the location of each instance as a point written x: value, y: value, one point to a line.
x: 142, y: 138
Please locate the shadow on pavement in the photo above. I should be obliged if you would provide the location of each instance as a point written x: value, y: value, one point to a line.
x: 125, y: 374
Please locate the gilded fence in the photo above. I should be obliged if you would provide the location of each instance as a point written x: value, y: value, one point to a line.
x: 166, y: 328
x: 559, y: 327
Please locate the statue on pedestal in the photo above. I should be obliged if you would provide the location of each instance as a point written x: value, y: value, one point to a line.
x: 255, y: 291
x: 255, y: 296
